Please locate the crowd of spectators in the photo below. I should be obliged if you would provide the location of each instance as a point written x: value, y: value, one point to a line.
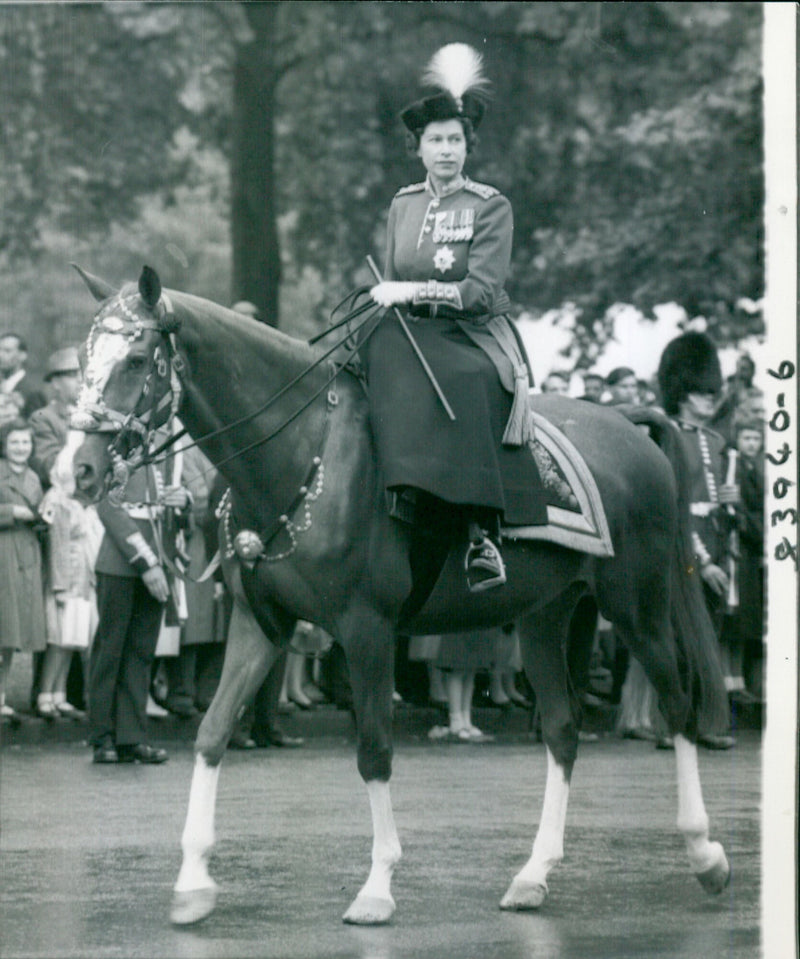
x: 50, y: 580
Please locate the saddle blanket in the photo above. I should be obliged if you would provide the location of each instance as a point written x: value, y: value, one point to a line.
x: 576, y: 517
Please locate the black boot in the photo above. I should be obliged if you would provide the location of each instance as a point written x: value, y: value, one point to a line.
x: 483, y: 563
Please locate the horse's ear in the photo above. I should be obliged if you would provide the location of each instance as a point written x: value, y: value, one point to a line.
x: 99, y: 289
x: 149, y: 286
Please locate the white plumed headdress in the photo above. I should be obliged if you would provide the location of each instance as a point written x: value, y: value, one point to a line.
x: 457, y: 70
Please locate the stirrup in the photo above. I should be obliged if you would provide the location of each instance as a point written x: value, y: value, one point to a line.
x: 483, y: 560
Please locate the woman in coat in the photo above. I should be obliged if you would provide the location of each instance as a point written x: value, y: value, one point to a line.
x: 22, y: 616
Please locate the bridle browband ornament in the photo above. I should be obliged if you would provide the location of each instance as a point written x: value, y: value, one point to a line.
x: 94, y: 415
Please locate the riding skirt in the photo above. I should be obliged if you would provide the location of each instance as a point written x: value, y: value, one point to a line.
x: 462, y: 461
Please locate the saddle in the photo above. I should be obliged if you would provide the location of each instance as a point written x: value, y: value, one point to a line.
x: 576, y: 517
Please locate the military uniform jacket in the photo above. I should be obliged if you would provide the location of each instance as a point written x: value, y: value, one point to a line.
x: 460, y: 242
x: 137, y: 530
x: 705, y: 454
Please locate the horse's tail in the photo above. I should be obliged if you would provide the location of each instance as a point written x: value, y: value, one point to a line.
x: 695, y: 637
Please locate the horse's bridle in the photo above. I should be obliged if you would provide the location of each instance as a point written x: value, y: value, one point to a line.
x: 94, y: 415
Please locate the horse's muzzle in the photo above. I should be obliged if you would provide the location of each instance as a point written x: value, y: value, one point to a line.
x: 88, y: 487
x: 91, y: 467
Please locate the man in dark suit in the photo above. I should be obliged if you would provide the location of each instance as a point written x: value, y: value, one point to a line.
x: 133, y: 587
x: 13, y: 376
x: 50, y: 423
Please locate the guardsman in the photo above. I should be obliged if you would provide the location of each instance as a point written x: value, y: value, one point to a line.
x: 690, y: 380
x: 134, y: 584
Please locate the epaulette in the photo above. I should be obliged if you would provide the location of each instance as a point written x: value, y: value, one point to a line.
x: 483, y: 190
x: 412, y: 188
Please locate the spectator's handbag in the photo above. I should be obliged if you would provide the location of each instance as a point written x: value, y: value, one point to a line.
x: 42, y: 530
x: 169, y: 638
x: 39, y: 525
x: 78, y: 622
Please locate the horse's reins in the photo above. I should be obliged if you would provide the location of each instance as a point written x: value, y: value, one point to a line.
x: 351, y: 350
x: 117, y: 422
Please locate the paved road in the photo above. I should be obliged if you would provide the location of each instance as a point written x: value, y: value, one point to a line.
x: 89, y: 855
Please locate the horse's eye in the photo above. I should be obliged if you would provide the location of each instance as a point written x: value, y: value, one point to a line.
x: 136, y: 362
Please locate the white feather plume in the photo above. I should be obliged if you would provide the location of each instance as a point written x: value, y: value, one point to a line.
x: 456, y: 68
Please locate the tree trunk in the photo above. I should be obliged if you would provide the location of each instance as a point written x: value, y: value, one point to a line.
x: 256, y: 253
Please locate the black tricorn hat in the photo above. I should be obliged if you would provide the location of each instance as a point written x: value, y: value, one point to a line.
x: 689, y: 364
x: 457, y: 70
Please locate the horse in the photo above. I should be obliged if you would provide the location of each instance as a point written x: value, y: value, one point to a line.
x: 308, y: 536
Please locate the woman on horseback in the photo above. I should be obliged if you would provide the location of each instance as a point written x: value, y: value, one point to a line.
x: 448, y: 256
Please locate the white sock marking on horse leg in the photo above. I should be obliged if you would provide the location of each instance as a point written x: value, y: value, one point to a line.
x: 198, y: 833
x: 548, y: 846
x: 692, y: 815
x: 385, y: 843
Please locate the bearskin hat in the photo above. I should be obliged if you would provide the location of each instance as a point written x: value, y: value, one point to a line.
x: 457, y: 70
x: 689, y: 364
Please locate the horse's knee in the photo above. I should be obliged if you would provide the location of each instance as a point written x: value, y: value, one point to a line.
x: 673, y: 701
x: 375, y: 761
x: 211, y: 742
x: 561, y: 737
x: 674, y: 707
x: 212, y: 754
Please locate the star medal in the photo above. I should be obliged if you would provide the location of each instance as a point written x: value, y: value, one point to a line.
x: 443, y: 259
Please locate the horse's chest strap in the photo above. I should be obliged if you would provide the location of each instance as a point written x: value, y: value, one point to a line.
x: 250, y: 546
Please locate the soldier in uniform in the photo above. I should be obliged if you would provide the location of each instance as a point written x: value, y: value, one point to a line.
x: 690, y: 380
x: 133, y: 587
x: 448, y: 255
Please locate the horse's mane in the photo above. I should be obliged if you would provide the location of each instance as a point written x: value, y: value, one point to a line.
x: 224, y: 322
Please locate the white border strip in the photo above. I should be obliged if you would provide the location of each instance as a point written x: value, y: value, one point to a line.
x: 779, y: 805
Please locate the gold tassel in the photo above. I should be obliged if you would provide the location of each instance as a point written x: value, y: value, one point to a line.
x: 519, y: 428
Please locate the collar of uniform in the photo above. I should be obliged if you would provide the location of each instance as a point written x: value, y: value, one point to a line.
x: 448, y: 189
x: 686, y: 425
x: 696, y: 427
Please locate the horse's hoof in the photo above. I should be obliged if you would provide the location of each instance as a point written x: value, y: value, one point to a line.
x: 369, y: 911
x: 192, y: 905
x: 524, y: 895
x: 715, y: 879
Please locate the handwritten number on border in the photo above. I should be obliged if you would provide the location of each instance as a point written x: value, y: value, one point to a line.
x: 779, y: 423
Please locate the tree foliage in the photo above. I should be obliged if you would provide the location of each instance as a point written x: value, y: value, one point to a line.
x: 627, y: 136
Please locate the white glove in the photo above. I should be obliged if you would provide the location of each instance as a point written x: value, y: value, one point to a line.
x: 391, y: 292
